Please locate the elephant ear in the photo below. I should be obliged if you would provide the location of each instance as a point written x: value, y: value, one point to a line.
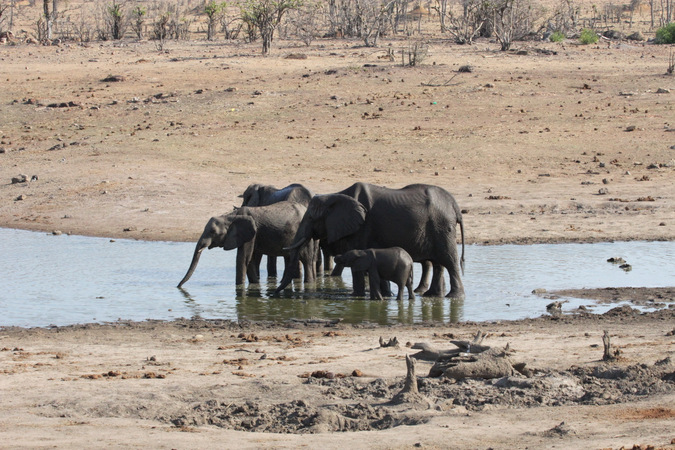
x: 341, y: 214
x: 363, y: 261
x: 241, y: 230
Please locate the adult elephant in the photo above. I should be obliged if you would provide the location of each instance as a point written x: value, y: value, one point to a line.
x: 422, y: 219
x: 254, y: 232
x: 264, y: 195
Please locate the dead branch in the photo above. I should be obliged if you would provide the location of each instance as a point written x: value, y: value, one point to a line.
x: 393, y: 342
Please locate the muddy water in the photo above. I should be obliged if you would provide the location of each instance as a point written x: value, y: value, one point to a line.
x: 61, y: 280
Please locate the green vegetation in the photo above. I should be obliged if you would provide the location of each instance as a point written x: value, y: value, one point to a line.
x: 558, y: 36
x: 588, y: 36
x: 666, y: 34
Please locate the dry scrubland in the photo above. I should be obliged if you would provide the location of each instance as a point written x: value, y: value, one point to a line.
x: 547, y: 143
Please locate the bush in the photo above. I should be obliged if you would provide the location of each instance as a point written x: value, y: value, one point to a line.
x: 666, y: 35
x: 588, y: 36
x: 558, y: 36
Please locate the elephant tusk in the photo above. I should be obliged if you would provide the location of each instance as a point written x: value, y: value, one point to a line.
x: 298, y: 244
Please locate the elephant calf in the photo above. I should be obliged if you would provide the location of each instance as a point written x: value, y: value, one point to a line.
x: 389, y: 264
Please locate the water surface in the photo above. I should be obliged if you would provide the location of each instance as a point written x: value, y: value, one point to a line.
x: 62, y: 280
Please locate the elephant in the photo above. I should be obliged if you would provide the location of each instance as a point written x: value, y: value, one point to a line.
x: 422, y: 219
x: 256, y: 231
x: 264, y: 195
x: 390, y: 264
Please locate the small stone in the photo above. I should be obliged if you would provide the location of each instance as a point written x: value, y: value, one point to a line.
x: 21, y: 178
x: 603, y: 191
x: 539, y: 291
x: 626, y: 267
x: 631, y: 128
x: 56, y: 233
x: 20, y: 197
x: 605, y: 181
x: 663, y: 91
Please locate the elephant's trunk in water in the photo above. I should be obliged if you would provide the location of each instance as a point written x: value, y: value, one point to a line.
x: 293, y: 262
x: 201, y: 245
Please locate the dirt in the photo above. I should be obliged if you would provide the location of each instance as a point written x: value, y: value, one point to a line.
x: 559, y: 143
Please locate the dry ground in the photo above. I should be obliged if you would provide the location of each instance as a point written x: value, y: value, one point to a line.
x: 562, y: 143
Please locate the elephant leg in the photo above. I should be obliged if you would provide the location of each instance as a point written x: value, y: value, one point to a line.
x: 271, y: 266
x: 423, y: 285
x: 358, y: 283
x: 319, y: 260
x: 327, y: 261
x: 244, y: 257
x: 409, y: 285
x: 437, y: 287
x: 253, y: 268
x: 451, y: 263
x: 385, y: 288
x: 399, y: 294
x: 375, y: 285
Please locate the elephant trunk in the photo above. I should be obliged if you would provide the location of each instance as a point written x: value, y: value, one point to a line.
x: 201, y: 245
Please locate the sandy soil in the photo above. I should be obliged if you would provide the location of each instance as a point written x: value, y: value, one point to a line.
x: 556, y: 143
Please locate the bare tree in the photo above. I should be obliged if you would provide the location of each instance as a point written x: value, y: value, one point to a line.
x: 466, y: 26
x: 304, y: 22
x: 50, y: 16
x: 373, y: 18
x: 512, y: 21
x: 266, y: 15
x: 138, y: 20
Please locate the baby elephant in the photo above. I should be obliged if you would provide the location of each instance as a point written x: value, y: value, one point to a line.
x: 389, y: 264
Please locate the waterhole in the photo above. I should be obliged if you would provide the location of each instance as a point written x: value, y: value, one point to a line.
x: 63, y: 280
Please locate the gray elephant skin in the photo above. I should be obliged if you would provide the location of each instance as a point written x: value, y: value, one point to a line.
x: 265, y: 195
x: 254, y: 232
x: 422, y: 219
x: 388, y: 264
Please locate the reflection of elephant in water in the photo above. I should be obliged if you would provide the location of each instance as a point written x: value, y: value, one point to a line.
x: 421, y: 219
x: 264, y: 195
x: 254, y: 232
x: 390, y: 264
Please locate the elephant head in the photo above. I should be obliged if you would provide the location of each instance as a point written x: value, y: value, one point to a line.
x: 228, y: 232
x: 336, y: 219
x: 356, y: 259
x: 251, y: 196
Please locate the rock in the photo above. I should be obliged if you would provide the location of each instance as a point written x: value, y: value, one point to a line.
x: 539, y: 291
x: 616, y: 260
x: 465, y: 69
x: 626, y: 267
x: 21, y: 178
x: 613, y: 34
x: 637, y: 36
x: 631, y: 128
x: 663, y: 91
x: 20, y: 197
x: 113, y: 79
x: 603, y: 191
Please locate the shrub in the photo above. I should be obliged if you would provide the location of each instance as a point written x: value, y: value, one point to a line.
x: 588, y: 36
x: 666, y: 35
x: 558, y: 36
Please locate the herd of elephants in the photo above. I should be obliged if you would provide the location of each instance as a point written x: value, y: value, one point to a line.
x: 374, y: 230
